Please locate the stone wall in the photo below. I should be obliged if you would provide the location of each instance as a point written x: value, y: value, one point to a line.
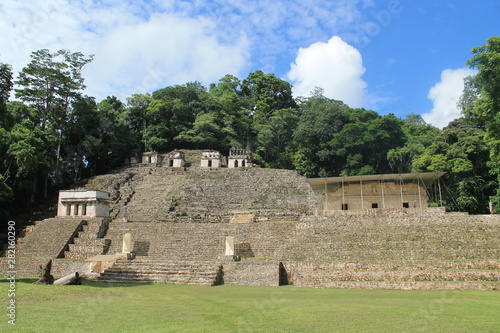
x: 251, y: 274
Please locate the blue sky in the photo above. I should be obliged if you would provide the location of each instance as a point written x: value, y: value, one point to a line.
x: 392, y: 56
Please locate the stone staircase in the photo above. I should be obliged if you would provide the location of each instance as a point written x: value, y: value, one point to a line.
x: 145, y: 270
x: 43, y: 241
x: 48, y: 238
x: 89, y: 241
x: 143, y: 194
x: 196, y: 248
x: 253, y: 189
x: 166, y: 252
x: 118, y: 185
x: 154, y: 196
x: 440, y: 252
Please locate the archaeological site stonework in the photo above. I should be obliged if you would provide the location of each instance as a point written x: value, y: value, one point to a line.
x: 198, y: 217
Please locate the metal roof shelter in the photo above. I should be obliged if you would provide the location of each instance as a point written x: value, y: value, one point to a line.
x: 349, y: 190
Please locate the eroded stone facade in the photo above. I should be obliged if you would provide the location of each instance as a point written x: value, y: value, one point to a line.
x: 239, y: 158
x: 212, y: 159
x: 79, y: 203
x: 175, y: 159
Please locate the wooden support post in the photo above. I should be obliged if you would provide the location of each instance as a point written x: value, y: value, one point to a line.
x: 383, y: 197
x: 361, y: 188
x: 343, y: 198
x: 419, y: 195
x: 326, y: 198
x: 401, y: 190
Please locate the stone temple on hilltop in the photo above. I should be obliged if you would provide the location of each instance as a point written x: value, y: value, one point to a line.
x: 198, y: 217
x: 238, y: 158
x: 212, y: 159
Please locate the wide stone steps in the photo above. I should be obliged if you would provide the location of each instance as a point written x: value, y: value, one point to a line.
x: 402, y: 285
x: 89, y: 241
x: 401, y: 265
x: 195, y: 191
x: 254, y: 189
x: 87, y: 244
x: 427, y: 275
x: 441, y: 254
x: 147, y: 271
x: 48, y: 237
x: 381, y: 245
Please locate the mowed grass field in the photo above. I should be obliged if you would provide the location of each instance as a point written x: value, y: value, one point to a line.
x: 100, y: 307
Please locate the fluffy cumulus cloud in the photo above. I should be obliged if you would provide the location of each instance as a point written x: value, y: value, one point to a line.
x: 445, y: 95
x: 143, y: 45
x: 138, y: 48
x: 336, y: 67
x: 162, y: 51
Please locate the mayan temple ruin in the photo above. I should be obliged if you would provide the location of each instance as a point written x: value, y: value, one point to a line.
x: 198, y: 217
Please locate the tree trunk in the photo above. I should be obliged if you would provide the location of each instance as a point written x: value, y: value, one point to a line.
x: 71, y: 279
x: 45, y: 191
x: 33, y: 194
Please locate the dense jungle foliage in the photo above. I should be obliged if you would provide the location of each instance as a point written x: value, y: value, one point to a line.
x: 52, y: 135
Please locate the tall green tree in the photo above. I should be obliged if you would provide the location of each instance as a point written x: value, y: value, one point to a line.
x: 486, y: 107
x: 5, y: 82
x: 5, y: 89
x: 6, y: 200
x: 417, y: 136
x: 136, y: 116
x: 320, y: 119
x: 460, y: 151
x: 266, y: 93
x: 30, y: 158
x: 274, y: 146
x: 50, y: 82
x: 232, y: 111
x: 361, y: 147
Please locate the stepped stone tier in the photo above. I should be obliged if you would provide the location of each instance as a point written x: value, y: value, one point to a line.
x: 254, y: 226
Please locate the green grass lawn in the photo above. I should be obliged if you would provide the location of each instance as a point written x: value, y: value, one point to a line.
x: 100, y: 307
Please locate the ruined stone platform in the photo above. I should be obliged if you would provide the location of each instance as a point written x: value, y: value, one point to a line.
x: 181, y: 221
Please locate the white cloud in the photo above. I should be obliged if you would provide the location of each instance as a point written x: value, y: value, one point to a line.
x: 335, y: 66
x: 445, y: 95
x: 140, y: 43
x: 162, y: 51
x: 136, y: 50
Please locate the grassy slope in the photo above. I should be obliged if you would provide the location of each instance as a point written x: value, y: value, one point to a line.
x: 97, y: 307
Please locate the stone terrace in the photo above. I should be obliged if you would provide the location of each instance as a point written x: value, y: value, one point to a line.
x: 143, y: 194
x: 449, y: 251
x: 416, y: 252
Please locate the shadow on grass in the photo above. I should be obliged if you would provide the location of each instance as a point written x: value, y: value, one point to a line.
x: 88, y: 283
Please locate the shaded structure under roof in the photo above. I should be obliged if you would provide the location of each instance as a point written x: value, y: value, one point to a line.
x: 390, y: 191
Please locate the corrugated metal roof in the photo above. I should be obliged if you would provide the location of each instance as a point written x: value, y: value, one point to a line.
x: 426, y: 177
